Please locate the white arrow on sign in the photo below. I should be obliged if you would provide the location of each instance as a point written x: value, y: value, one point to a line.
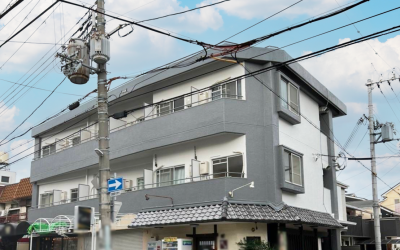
x: 116, y: 184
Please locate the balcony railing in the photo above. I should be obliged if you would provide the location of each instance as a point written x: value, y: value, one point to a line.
x: 148, y: 112
x: 148, y: 186
x: 13, y: 218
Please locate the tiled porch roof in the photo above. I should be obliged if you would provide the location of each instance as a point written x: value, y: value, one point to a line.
x: 234, y: 212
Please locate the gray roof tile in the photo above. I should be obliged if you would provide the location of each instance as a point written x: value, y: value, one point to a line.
x: 236, y: 212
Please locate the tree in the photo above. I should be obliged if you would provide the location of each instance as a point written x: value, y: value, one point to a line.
x: 254, y: 245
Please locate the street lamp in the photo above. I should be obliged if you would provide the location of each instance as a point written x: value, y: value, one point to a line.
x: 251, y: 185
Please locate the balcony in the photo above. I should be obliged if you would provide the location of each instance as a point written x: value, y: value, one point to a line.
x: 365, y: 227
x: 208, y: 116
x: 13, y: 218
x: 134, y: 200
x: 148, y: 112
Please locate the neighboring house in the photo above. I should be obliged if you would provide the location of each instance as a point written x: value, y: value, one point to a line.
x: 15, y: 201
x: 391, y: 198
x: 191, y: 141
x: 6, y: 176
x: 361, y: 235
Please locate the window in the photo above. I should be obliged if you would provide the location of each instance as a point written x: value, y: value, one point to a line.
x: 140, y: 183
x: 49, y: 149
x: 5, y: 179
x: 46, y: 199
x: 230, y: 166
x: 168, y: 107
x: 253, y: 239
x: 171, y: 176
x: 74, y: 194
x: 289, y: 96
x: 292, y: 167
x: 227, y: 90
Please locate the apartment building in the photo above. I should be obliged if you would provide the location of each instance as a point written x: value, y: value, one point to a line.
x: 193, y: 136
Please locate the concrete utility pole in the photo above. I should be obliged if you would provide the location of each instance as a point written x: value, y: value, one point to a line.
x: 104, y: 137
x: 377, y: 222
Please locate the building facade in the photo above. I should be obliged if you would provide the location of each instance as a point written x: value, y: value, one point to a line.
x: 191, y: 137
x: 15, y: 201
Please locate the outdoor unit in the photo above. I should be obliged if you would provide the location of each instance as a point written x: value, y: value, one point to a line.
x: 128, y: 184
x: 204, y: 168
x: 61, y: 144
x: 76, y: 141
x: 85, y: 135
x: 188, y: 102
x: 64, y: 196
x: 203, y: 97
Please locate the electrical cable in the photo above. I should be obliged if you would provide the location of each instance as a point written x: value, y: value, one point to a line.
x: 1, y: 67
x: 182, y: 12
x: 31, y: 113
x: 15, y: 16
x: 6, y: 11
x: 26, y: 17
x: 5, y: 103
x: 388, y: 103
x: 48, y: 90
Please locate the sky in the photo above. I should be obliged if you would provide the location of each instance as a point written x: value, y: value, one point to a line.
x: 343, y: 71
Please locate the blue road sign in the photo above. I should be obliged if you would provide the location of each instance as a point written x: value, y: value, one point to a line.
x: 115, y: 185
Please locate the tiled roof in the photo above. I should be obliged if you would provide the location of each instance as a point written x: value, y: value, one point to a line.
x: 16, y: 191
x: 8, y: 193
x: 24, y: 189
x: 234, y: 212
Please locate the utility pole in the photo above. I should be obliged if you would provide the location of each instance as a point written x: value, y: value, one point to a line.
x: 376, y: 208
x: 104, y: 137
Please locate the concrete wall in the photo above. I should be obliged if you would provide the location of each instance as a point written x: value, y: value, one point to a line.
x: 307, y: 140
x: 12, y: 175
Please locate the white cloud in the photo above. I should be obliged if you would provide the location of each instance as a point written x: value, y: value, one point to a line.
x: 348, y: 69
x: 8, y: 118
x: 360, y: 108
x: 263, y: 8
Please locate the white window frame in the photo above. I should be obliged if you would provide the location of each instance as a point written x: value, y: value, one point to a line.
x: 289, y: 104
x: 50, y: 199
x: 74, y: 191
x: 291, y: 172
x: 140, y: 183
x: 48, y: 148
x: 227, y: 173
x: 172, y: 180
x: 222, y: 91
x: 171, y: 107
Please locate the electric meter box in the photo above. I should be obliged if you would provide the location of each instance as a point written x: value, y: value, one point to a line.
x: 387, y: 132
x: 100, y: 49
x: 78, y: 50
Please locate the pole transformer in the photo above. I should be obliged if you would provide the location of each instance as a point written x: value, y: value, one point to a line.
x: 376, y: 207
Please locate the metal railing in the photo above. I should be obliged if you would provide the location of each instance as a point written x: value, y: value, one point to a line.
x: 13, y: 218
x: 162, y: 108
x: 148, y: 186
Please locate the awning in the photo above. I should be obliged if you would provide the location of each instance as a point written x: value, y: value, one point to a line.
x: 234, y: 212
x: 14, y: 229
x: 384, y: 242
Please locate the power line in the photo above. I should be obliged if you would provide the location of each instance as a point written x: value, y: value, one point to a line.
x: 6, y: 11
x: 186, y: 11
x: 39, y: 88
x: 32, y: 112
x: 15, y: 16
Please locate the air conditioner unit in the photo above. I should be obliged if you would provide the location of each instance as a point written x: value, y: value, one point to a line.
x: 61, y: 144
x: 85, y: 135
x: 64, y: 196
x: 204, y: 168
x: 76, y: 141
x: 128, y: 184
x: 188, y: 102
x: 203, y: 97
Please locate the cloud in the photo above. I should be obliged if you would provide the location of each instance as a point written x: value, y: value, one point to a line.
x: 8, y: 118
x: 263, y: 8
x: 348, y: 69
x: 360, y: 108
